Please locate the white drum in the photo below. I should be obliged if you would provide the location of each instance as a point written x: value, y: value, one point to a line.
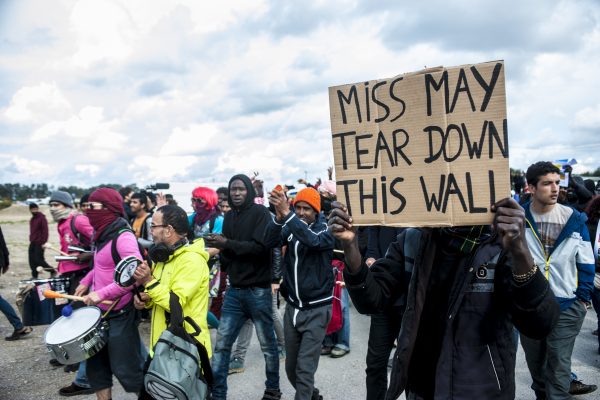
x: 77, y: 337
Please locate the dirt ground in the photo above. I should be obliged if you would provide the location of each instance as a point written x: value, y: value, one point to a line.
x: 26, y: 373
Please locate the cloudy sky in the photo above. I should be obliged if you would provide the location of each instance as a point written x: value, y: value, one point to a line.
x: 184, y: 90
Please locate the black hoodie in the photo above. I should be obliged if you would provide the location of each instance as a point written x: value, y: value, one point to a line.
x: 245, y: 258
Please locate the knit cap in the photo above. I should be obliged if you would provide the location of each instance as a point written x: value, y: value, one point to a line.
x: 62, y: 197
x: 310, y: 196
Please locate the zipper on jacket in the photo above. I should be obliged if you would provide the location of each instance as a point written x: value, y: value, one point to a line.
x: 296, y: 273
x: 546, y: 255
x: 494, y: 367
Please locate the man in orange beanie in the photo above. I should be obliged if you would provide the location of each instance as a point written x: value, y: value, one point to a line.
x: 307, y: 284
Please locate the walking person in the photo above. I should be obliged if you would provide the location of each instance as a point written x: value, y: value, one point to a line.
x: 307, y: 284
x: 38, y: 236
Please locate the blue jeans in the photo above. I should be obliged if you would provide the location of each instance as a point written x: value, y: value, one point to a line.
x: 341, y: 338
x: 239, y: 306
x: 81, y: 376
x: 10, y: 313
x: 596, y: 304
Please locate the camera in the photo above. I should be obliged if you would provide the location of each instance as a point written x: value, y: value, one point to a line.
x: 158, y: 186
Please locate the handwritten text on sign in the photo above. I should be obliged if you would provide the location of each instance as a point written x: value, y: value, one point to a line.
x: 423, y: 149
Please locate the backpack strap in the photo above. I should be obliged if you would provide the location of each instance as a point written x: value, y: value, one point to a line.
x: 114, y: 252
x: 176, y: 327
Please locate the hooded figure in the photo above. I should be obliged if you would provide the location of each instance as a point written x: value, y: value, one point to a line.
x: 244, y: 257
x: 107, y: 219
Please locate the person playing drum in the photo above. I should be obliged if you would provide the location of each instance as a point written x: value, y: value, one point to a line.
x: 122, y: 355
x: 180, y: 267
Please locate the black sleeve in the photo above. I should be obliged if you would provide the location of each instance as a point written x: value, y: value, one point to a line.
x: 276, y: 261
x: 374, y: 289
x: 372, y: 243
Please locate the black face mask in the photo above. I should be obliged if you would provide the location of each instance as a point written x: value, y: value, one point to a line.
x: 161, y: 252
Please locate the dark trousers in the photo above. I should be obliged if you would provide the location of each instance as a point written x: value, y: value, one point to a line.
x: 36, y: 258
x: 596, y: 303
x: 304, y: 333
x: 384, y: 330
x: 549, y: 360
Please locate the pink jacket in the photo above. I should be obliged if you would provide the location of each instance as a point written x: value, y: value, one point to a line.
x: 101, y: 278
x: 67, y: 237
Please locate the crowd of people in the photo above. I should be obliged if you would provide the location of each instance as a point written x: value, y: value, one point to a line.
x: 455, y: 302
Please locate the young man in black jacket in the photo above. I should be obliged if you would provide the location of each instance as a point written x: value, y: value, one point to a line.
x: 307, y: 284
x: 464, y: 288
x: 247, y: 262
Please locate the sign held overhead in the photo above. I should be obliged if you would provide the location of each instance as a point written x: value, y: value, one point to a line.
x: 428, y: 148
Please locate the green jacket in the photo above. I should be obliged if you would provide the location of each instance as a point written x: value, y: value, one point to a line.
x: 186, y: 275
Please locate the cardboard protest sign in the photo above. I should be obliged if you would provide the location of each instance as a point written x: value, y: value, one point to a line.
x: 428, y: 148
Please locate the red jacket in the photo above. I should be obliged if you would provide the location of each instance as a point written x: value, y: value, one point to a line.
x: 38, y: 229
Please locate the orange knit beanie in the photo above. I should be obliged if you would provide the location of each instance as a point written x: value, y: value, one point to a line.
x: 310, y: 196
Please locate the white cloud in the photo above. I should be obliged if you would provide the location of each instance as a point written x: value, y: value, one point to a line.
x: 152, y: 168
x: 103, y: 31
x: 37, y: 103
x: 195, y: 138
x: 126, y: 90
x: 90, y: 169
x: 588, y: 118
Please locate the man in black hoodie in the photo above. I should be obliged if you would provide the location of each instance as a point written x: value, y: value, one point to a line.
x: 246, y: 260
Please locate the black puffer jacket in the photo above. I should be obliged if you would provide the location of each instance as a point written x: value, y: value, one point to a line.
x: 477, y: 357
x: 307, y: 272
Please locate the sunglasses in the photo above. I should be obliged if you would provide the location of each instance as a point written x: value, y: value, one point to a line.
x: 198, y: 200
x: 92, y: 206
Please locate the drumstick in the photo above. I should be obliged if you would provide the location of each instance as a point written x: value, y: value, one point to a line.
x: 58, y: 251
x: 51, y: 294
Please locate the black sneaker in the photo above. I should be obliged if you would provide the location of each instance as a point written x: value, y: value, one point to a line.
x: 316, y: 395
x: 71, y: 367
x: 578, y: 387
x: 74, y: 390
x: 55, y: 363
x: 19, y: 333
x: 272, y: 394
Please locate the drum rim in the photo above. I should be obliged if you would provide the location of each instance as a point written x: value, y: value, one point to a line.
x: 98, y: 310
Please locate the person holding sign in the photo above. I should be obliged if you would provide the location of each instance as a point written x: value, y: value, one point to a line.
x: 464, y: 288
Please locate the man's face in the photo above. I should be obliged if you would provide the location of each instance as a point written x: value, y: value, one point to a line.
x: 238, y: 192
x: 224, y: 206
x: 34, y: 210
x: 545, y: 193
x: 127, y: 197
x: 160, y: 233
x: 57, y: 206
x: 136, y: 206
x: 305, y: 212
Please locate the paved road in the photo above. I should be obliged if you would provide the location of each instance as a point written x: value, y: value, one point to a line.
x: 343, y: 378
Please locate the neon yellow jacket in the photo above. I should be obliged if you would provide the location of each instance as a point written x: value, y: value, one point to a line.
x: 186, y: 275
